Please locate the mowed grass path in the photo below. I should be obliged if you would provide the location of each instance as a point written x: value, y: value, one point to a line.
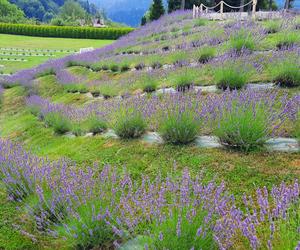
x: 29, y: 42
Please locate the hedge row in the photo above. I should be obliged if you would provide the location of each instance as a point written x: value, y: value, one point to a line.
x: 63, y: 31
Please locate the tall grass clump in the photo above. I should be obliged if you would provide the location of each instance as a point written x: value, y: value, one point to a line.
x: 296, y: 131
x: 232, y: 76
x: 205, y: 54
x: 200, y: 22
x: 286, y: 72
x: 149, y: 84
x: 130, y: 124
x: 287, y: 40
x: 1, y: 96
x: 95, y: 125
x: 179, y: 58
x: 58, y: 122
x: 75, y: 88
x: 179, y: 231
x: 243, y: 127
x: 90, y: 232
x: 179, y: 127
x: 184, y: 80
x: 273, y: 26
x: 78, y: 128
x: 241, y: 40
x: 114, y: 68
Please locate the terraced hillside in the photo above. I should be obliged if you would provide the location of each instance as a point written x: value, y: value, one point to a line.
x: 183, y: 134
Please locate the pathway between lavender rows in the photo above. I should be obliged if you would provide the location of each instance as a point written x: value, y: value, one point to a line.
x: 278, y: 144
x: 206, y: 89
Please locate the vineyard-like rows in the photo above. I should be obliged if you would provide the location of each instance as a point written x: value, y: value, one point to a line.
x: 183, y: 134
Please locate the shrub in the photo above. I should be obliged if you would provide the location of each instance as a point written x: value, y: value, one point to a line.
x: 74, y: 88
x: 149, y: 84
x: 287, y: 40
x: 205, y: 54
x: 47, y: 210
x: 58, y: 122
x: 242, y: 39
x: 200, y: 22
x: 231, y: 76
x: 179, y: 58
x: 125, y: 67
x: 179, y: 232
x: 184, y: 81
x: 35, y: 110
x: 179, y: 127
x: 296, y: 131
x: 87, y: 232
x: 46, y: 72
x: 130, y: 124
x: 139, y: 66
x: 114, y: 68
x: 286, y: 73
x: 77, y: 128
x: 242, y: 127
x: 272, y: 26
x: 156, y: 65
x: 105, y: 67
x: 63, y: 31
x: 96, y: 125
x: 17, y: 183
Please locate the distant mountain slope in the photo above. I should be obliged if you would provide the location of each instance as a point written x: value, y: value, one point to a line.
x: 124, y: 11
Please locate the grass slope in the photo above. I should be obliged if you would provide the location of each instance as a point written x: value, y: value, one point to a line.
x: 25, y: 42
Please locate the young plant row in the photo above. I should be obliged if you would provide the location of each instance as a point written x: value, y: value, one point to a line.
x: 226, y: 72
x: 229, y: 36
x: 107, y: 209
x: 244, y: 120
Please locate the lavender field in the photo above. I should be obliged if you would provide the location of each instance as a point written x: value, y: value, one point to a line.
x: 184, y: 134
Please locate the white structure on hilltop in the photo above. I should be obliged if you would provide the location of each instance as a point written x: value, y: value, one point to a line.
x: 98, y: 23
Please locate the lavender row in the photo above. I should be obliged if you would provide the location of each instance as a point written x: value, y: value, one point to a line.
x: 278, y: 109
x: 257, y: 33
x: 107, y: 208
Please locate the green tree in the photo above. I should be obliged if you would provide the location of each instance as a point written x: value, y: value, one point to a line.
x: 156, y: 10
x: 72, y: 11
x: 143, y: 20
x: 10, y: 13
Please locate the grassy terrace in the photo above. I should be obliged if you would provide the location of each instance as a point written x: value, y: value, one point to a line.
x: 64, y: 46
x: 49, y: 113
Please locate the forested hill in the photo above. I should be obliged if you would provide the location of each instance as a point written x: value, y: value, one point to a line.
x: 45, y: 10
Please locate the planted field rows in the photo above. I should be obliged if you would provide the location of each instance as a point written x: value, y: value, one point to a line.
x: 183, y: 134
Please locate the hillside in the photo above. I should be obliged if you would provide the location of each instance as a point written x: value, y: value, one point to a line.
x: 183, y: 134
x: 124, y: 11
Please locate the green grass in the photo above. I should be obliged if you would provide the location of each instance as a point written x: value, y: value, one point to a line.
x: 25, y: 42
x: 10, y: 239
x: 242, y: 172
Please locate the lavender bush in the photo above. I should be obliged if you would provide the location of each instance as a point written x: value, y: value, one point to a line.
x: 242, y: 127
x: 179, y: 127
x: 286, y: 72
x: 231, y: 76
x: 91, y: 208
x: 130, y: 124
x: 59, y: 123
x: 280, y: 110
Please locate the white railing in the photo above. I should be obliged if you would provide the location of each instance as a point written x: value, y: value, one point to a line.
x: 199, y: 10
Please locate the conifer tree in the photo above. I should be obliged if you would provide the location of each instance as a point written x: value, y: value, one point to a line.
x: 156, y: 10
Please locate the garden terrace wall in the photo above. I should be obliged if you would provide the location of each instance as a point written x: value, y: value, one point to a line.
x: 65, y: 32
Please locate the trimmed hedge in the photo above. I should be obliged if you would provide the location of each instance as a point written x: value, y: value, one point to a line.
x: 63, y: 31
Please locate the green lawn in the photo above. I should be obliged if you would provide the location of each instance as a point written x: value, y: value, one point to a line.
x: 41, y: 43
